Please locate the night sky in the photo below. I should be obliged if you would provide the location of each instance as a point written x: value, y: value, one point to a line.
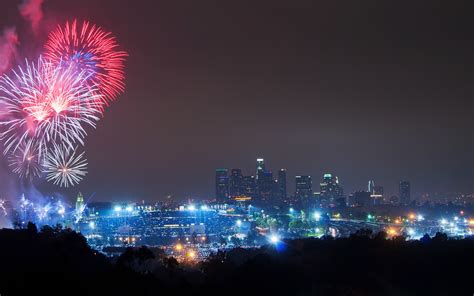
x: 362, y: 89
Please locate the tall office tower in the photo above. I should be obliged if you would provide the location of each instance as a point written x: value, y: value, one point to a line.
x: 265, y: 186
x: 377, y: 195
x: 260, y: 167
x: 79, y: 203
x: 235, y: 182
x: 248, y: 186
x: 404, y: 190
x: 331, y: 191
x: 304, y: 188
x: 222, y: 185
x: 371, y: 186
x: 282, y: 184
x: 360, y: 198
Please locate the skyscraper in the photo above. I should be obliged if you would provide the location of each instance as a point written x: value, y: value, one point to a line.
x: 235, y: 182
x: 79, y: 203
x: 370, y: 187
x: 265, y: 186
x: 404, y: 190
x: 304, y: 188
x: 222, y: 185
x: 332, y: 193
x: 282, y: 184
x: 260, y: 167
x: 248, y: 186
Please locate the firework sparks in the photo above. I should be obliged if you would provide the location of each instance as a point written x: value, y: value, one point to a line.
x: 25, y: 161
x: 64, y: 166
x: 47, y: 103
x: 92, y: 49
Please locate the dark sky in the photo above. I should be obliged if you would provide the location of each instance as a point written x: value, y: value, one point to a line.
x: 363, y: 89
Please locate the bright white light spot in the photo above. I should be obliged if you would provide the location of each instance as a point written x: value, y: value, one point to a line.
x: 317, y: 216
x: 420, y: 218
x: 191, y: 208
x: 129, y: 209
x: 274, y: 239
x: 92, y: 224
x: 239, y: 223
x: 118, y: 208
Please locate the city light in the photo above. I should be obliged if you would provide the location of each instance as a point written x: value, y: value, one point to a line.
x: 420, y: 217
x: 178, y: 247
x: 443, y: 221
x: 191, y: 208
x: 239, y: 223
x: 291, y: 210
x: 191, y: 254
x: 92, y: 224
x: 204, y: 208
x: 411, y: 231
x: 274, y: 239
x: 129, y: 209
x: 317, y: 216
x: 392, y: 231
x: 118, y: 208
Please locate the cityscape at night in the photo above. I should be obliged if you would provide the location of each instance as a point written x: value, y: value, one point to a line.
x: 247, y: 148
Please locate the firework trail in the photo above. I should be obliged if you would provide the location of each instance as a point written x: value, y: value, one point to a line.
x: 64, y: 166
x: 92, y: 49
x: 48, y: 103
x: 25, y: 161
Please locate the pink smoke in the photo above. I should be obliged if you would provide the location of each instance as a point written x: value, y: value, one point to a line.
x: 31, y: 11
x: 8, y: 44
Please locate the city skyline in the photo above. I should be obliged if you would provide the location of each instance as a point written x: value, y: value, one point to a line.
x: 347, y: 89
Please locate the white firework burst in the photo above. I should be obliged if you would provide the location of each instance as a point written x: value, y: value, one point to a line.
x: 64, y: 166
x: 47, y: 103
x: 25, y: 161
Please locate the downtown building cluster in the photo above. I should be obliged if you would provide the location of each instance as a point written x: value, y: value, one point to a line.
x: 265, y: 189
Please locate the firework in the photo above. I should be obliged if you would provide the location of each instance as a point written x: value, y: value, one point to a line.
x: 3, y: 210
x: 25, y: 161
x: 47, y: 103
x: 64, y: 166
x: 88, y: 47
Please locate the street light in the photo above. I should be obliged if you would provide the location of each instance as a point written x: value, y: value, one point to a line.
x: 317, y: 216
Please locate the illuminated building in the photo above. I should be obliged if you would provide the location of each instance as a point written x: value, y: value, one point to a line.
x: 304, y: 188
x: 235, y: 183
x: 260, y: 167
x: 331, y: 192
x: 361, y: 198
x: 79, y: 203
x: 404, y: 190
x: 248, y: 186
x: 222, y: 185
x: 282, y: 184
x: 265, y: 186
x: 370, y: 187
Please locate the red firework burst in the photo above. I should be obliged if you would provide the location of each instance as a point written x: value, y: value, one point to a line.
x: 93, y: 50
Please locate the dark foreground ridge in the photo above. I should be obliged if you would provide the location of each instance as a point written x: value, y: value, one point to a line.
x: 54, y: 261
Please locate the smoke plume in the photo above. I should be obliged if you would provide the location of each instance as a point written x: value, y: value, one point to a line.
x: 31, y: 11
x: 8, y: 48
